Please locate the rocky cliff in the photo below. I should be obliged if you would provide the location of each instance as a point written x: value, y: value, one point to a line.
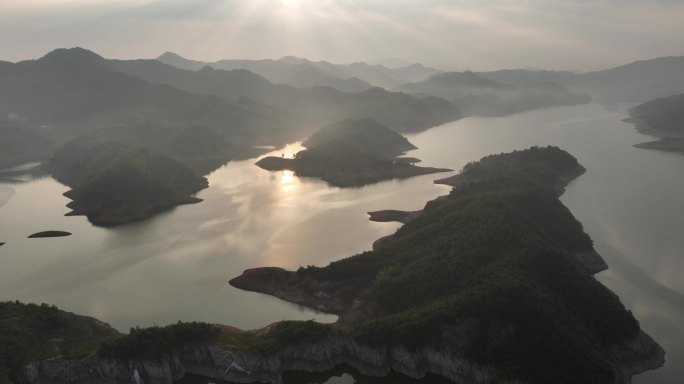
x: 220, y: 362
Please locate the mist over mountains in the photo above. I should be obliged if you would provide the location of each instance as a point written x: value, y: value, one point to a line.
x: 202, y: 115
x: 287, y: 69
x: 243, y: 103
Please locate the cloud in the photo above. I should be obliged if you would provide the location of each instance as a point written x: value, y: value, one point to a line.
x: 478, y: 34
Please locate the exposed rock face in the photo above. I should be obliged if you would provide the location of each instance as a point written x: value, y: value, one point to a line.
x: 223, y: 363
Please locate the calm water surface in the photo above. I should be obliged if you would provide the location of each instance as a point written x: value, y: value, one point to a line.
x: 176, y: 265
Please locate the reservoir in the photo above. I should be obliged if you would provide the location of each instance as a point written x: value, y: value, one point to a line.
x: 176, y: 266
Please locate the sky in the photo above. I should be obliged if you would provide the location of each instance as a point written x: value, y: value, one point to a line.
x: 458, y: 34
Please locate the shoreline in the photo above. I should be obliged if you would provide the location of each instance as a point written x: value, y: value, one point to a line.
x: 214, y: 361
x: 666, y: 141
x: 348, y: 177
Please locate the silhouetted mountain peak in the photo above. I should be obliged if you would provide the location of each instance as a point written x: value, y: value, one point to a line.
x: 467, y: 79
x: 293, y: 60
x: 76, y: 57
x: 170, y: 56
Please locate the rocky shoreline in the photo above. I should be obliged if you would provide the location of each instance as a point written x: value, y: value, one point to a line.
x: 221, y: 362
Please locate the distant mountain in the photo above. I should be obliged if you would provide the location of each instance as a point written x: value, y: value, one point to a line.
x: 282, y: 70
x: 414, y: 73
x: 179, y: 61
x: 390, y: 62
x: 455, y: 85
x: 72, y: 91
x: 310, y: 76
x: 129, y: 136
x: 309, y: 107
x: 479, y: 95
x: 636, y: 82
x: 527, y: 77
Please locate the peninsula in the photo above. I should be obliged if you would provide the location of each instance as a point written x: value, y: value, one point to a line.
x: 490, y: 284
x: 662, y: 118
x: 352, y: 153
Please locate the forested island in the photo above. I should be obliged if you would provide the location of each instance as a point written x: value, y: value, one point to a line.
x: 663, y: 118
x: 491, y: 283
x: 113, y: 184
x: 352, y: 153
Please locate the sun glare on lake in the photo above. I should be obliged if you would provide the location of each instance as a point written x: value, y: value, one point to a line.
x: 288, y: 177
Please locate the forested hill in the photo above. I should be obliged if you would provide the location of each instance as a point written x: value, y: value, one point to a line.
x: 352, y: 153
x: 367, y: 134
x: 74, y: 91
x: 113, y: 184
x: 664, y: 116
x: 489, y: 273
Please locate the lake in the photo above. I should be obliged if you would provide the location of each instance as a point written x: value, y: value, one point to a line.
x: 176, y: 265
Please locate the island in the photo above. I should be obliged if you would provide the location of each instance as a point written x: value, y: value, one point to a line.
x: 489, y: 284
x: 352, y: 153
x: 113, y: 184
x: 44, y: 234
x: 662, y: 118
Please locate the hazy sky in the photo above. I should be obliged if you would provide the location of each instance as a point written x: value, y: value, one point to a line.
x: 464, y: 34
